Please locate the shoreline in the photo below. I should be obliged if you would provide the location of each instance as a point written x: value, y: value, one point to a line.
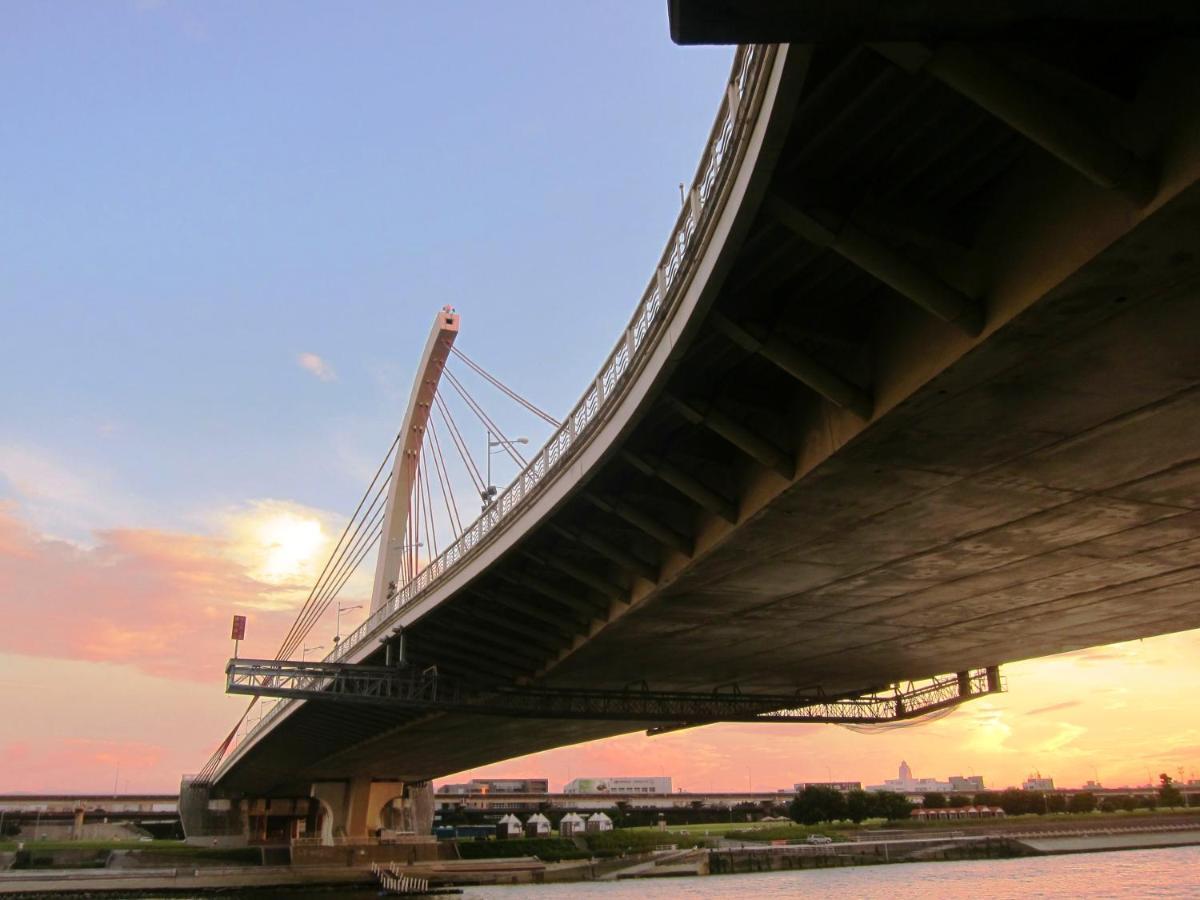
x: 747, y: 858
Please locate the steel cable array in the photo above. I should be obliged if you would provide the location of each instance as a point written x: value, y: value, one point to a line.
x: 365, y: 526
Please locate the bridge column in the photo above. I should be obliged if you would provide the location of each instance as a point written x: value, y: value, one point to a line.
x: 355, y: 806
x: 212, y: 820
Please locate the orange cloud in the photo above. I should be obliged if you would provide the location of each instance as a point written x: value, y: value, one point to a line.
x: 158, y: 601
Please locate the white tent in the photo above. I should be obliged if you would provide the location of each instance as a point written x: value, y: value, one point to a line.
x: 571, y: 824
x: 509, y: 826
x: 537, y: 825
x: 599, y: 822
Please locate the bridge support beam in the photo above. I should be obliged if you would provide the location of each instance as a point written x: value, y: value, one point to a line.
x: 211, y: 820
x: 1028, y: 111
x: 882, y: 262
x: 808, y: 371
x: 740, y: 436
x: 356, y: 807
x: 690, y: 487
x: 609, y: 550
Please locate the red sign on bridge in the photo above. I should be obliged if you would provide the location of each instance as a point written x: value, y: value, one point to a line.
x: 239, y: 628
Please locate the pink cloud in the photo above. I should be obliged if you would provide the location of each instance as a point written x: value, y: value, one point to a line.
x: 319, y: 367
x: 84, y: 764
x: 158, y: 601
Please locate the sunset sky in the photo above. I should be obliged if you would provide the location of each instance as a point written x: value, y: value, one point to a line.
x: 226, y: 229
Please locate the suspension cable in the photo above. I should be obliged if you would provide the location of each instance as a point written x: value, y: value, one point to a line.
x: 429, y: 514
x: 444, y: 481
x: 459, y: 444
x: 496, y: 382
x: 329, y: 592
x: 338, y: 546
x: 483, y: 417
x: 320, y: 603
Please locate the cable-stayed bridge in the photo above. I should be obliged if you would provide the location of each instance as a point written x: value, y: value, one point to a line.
x: 913, y: 392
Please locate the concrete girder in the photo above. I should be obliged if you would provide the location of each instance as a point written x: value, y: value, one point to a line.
x: 788, y: 22
x: 758, y: 448
x: 553, y: 592
x: 690, y: 487
x: 508, y: 623
x: 579, y: 573
x: 488, y: 636
x: 664, y: 534
x: 882, y: 262
x: 1055, y: 128
x: 438, y: 649
x: 609, y: 550
x: 799, y: 365
x: 566, y: 625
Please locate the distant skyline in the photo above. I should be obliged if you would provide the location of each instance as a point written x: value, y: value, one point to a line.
x: 227, y: 229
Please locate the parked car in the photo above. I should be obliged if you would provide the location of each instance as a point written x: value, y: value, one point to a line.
x: 819, y: 839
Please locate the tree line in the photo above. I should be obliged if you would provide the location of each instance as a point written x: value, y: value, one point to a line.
x: 825, y: 804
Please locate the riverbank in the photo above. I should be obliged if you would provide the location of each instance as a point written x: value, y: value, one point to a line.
x: 727, y: 858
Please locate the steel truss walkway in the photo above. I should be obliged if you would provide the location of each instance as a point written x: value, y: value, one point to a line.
x: 427, y: 691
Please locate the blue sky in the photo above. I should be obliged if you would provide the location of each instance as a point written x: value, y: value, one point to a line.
x: 197, y: 193
x: 193, y: 195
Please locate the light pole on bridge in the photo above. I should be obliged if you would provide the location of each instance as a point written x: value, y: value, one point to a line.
x: 488, y: 494
x: 341, y: 608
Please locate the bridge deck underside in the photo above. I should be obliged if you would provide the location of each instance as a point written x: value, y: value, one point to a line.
x: 1032, y: 491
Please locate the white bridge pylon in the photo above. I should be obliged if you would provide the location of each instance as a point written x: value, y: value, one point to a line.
x: 392, y: 547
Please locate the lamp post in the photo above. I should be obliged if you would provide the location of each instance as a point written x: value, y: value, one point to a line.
x: 488, y: 494
x: 337, y: 637
x: 304, y: 650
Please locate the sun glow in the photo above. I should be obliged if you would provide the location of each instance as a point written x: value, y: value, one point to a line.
x: 280, y: 544
x: 290, y: 544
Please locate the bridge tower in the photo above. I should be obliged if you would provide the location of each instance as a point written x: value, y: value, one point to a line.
x: 356, y: 803
x: 404, y: 466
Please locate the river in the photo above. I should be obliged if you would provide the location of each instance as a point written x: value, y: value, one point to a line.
x: 1173, y: 873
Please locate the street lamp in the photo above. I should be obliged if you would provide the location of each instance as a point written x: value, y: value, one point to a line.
x: 488, y: 494
x: 341, y: 609
x: 304, y: 650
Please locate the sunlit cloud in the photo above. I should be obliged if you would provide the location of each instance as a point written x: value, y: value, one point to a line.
x: 1063, y: 737
x: 310, y: 362
x: 60, y: 494
x: 159, y: 601
x: 1053, y: 707
x: 279, y: 543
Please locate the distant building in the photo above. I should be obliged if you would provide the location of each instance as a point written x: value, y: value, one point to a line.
x: 498, y: 786
x: 620, y: 785
x: 907, y: 784
x: 1037, y: 783
x: 843, y: 786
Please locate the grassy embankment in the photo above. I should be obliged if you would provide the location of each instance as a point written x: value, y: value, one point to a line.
x: 600, y: 845
x: 39, y: 854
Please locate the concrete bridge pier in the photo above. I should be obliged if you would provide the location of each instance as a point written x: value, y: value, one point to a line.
x: 212, y: 820
x: 358, y: 807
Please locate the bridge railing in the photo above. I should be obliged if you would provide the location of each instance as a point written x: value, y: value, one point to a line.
x: 659, y: 295
x: 659, y: 298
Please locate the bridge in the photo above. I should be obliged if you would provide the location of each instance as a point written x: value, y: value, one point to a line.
x: 914, y: 391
